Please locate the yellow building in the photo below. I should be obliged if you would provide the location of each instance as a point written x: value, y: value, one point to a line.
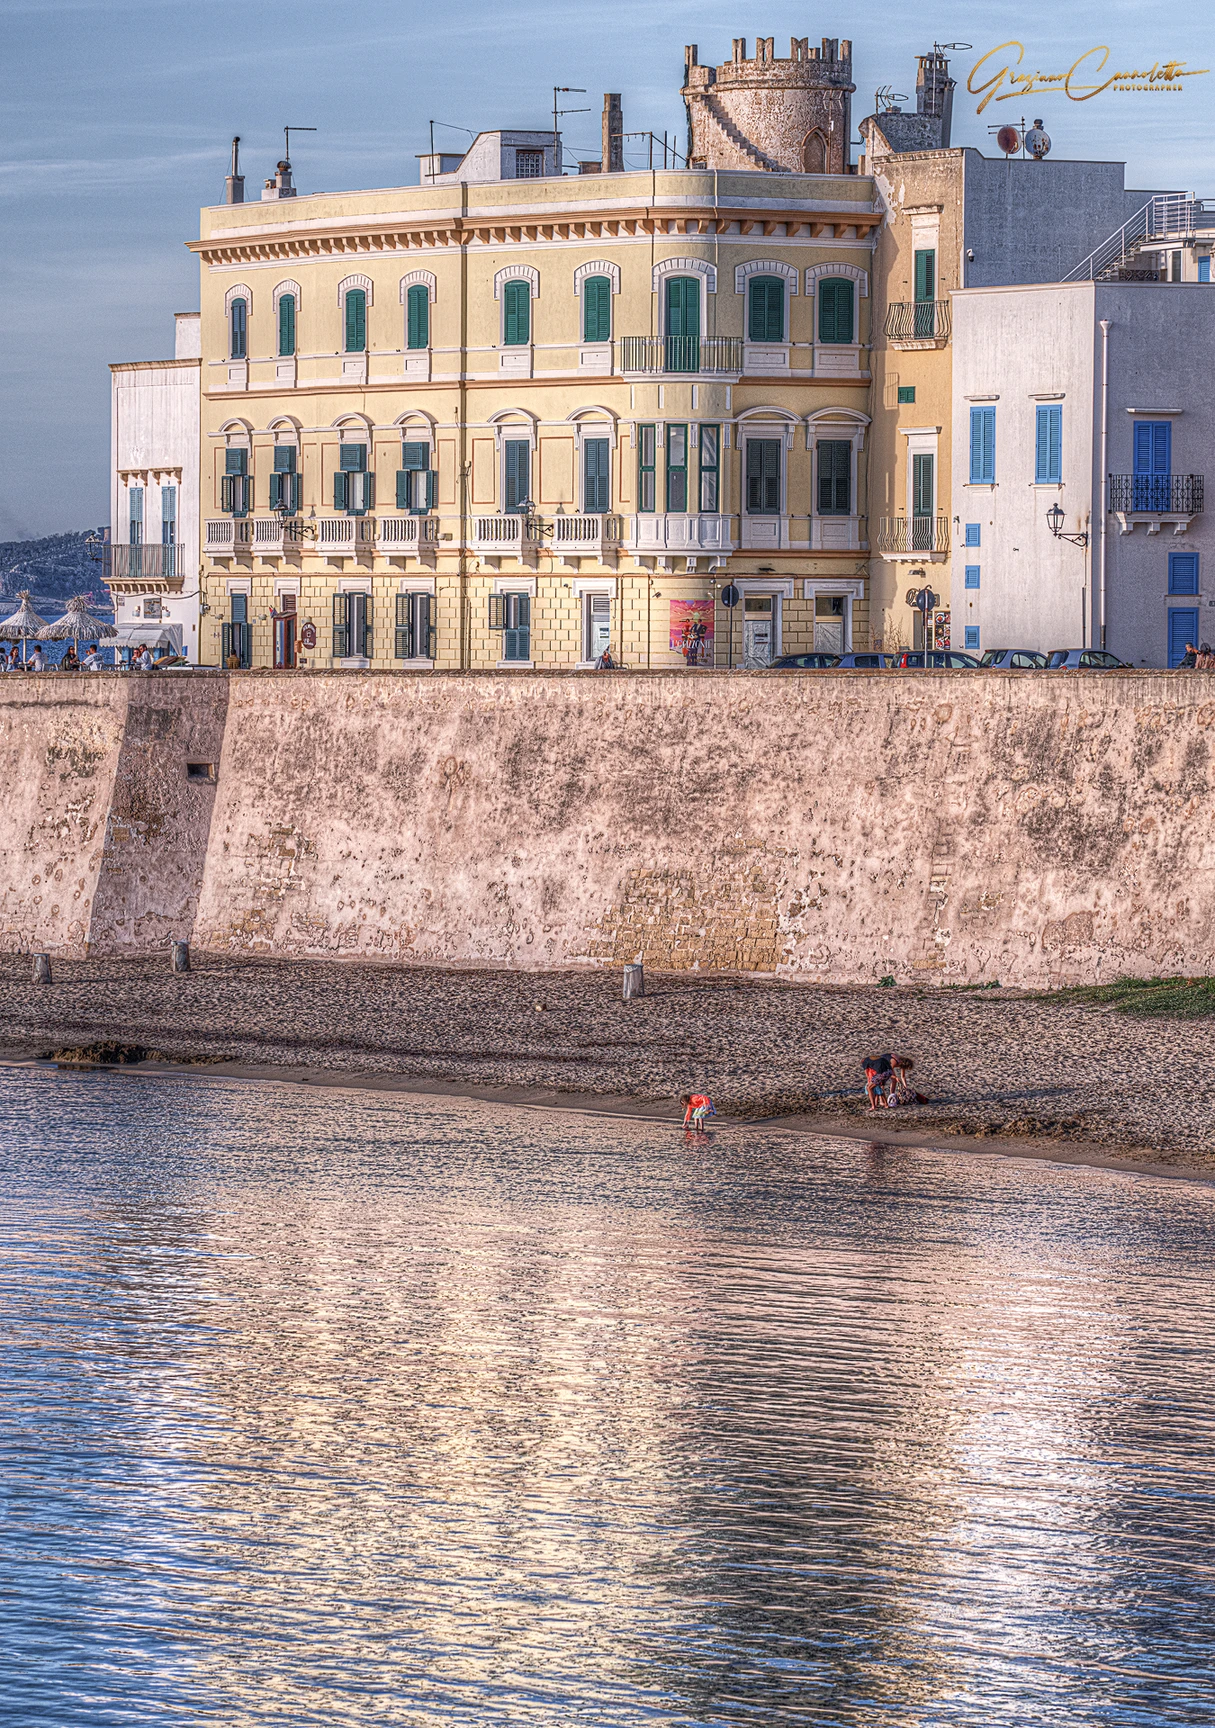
x: 509, y: 417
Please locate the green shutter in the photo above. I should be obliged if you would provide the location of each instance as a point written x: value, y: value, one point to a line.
x: 432, y: 488
x: 835, y: 310
x: 356, y: 320
x: 834, y: 477
x: 517, y: 454
x: 417, y: 316
x: 517, y: 314
x: 340, y: 491
x: 766, y: 309
x: 921, y: 485
x: 596, y: 488
x: 926, y: 275
x: 239, y: 321
x: 596, y: 309
x: 286, y: 324
x: 341, y: 623
x: 403, y: 489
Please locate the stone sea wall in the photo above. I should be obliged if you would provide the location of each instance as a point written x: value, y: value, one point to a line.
x: 1037, y: 829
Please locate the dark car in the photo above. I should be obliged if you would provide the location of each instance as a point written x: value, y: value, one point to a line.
x: 1013, y: 660
x: 868, y: 662
x: 805, y: 662
x: 1085, y: 660
x: 939, y: 660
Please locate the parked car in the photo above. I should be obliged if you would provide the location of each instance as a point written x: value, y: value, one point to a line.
x: 1085, y: 660
x: 1013, y: 660
x: 869, y: 662
x: 939, y: 660
x: 805, y: 662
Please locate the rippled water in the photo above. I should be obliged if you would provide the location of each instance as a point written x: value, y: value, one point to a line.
x: 324, y: 1407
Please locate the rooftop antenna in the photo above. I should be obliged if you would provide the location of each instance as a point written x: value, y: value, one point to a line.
x: 234, y: 192
x: 287, y: 131
x: 564, y: 90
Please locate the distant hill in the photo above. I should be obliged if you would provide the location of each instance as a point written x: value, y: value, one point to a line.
x: 52, y: 569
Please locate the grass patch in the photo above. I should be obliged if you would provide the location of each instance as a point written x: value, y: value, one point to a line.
x: 1179, y: 998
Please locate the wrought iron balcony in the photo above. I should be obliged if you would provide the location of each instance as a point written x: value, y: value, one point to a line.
x: 918, y: 322
x: 142, y: 564
x: 912, y: 536
x: 697, y: 354
x: 1149, y: 494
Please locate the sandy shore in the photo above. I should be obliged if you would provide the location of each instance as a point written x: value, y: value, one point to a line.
x: 1001, y: 1066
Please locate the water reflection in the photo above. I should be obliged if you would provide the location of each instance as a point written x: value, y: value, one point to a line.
x: 336, y: 1408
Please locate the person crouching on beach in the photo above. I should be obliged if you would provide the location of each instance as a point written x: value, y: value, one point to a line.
x: 879, y: 1077
x: 697, y: 1106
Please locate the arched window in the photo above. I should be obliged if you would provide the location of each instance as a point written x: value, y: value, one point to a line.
x: 836, y: 317
x: 286, y: 324
x: 516, y: 314
x: 356, y: 320
x: 417, y: 316
x: 238, y: 329
x: 814, y: 153
x: 766, y: 309
x: 682, y: 324
x: 597, y: 309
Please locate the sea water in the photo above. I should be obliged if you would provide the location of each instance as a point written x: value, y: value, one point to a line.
x: 320, y: 1406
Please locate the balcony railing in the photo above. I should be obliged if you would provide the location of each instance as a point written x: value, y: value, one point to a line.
x: 660, y: 354
x: 585, y: 536
x: 151, y: 563
x: 344, y: 536
x: 226, y: 536
x: 913, y: 534
x: 275, y: 535
x: 1156, y: 494
x: 667, y: 532
x: 502, y: 536
x: 918, y: 321
x: 408, y: 534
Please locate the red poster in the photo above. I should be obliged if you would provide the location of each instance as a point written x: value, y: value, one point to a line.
x: 692, y: 631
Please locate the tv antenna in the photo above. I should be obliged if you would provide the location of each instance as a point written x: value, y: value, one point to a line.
x: 564, y: 90
x: 287, y: 131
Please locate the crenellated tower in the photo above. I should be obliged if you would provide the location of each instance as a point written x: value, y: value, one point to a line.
x: 789, y: 116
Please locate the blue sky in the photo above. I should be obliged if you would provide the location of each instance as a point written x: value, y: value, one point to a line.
x: 119, y: 117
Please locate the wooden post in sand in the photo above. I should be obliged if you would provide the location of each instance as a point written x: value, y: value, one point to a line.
x: 181, y: 956
x: 42, y: 969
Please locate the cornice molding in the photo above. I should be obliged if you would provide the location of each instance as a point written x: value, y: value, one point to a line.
x: 370, y: 238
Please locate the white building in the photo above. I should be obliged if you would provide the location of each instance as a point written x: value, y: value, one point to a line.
x: 152, y: 561
x: 1093, y: 399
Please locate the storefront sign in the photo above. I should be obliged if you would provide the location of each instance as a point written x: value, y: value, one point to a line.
x: 308, y: 635
x: 998, y: 76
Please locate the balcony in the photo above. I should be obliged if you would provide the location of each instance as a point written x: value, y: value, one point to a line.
x: 582, y: 536
x: 498, y: 537
x: 661, y: 534
x: 407, y: 536
x: 345, y: 536
x: 148, y: 569
x: 228, y: 537
x: 1155, y: 499
x: 277, y: 537
x: 918, y: 323
x: 913, y: 536
x: 659, y: 356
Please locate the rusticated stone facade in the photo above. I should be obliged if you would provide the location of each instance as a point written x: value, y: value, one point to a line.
x: 792, y: 116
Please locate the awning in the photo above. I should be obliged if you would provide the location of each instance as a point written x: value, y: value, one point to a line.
x: 161, y: 636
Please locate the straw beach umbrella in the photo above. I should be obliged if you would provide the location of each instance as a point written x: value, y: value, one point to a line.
x: 23, y: 624
x: 78, y: 624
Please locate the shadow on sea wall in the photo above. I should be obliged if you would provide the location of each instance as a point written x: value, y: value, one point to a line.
x: 1034, y: 828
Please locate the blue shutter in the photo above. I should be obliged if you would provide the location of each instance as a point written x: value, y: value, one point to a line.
x: 417, y: 316
x: 972, y: 575
x: 972, y: 636
x: 1153, y: 447
x: 1183, y: 628
x: 982, y: 446
x: 1048, y: 444
x: 1183, y: 572
x: 974, y: 534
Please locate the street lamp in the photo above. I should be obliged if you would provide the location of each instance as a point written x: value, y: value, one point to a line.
x: 1054, y: 521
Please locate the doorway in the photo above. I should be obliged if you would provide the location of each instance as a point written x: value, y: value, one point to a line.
x: 596, y: 625
x: 759, y: 629
x: 284, y: 632
x: 829, y: 633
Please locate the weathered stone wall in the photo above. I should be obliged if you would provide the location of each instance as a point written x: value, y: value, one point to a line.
x: 1040, y: 828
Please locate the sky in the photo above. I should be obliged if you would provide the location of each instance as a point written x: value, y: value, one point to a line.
x: 120, y: 115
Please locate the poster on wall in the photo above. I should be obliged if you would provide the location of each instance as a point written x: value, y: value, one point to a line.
x: 940, y: 629
x: 692, y: 631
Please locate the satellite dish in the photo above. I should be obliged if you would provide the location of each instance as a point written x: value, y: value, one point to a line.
x: 1009, y: 140
x: 1037, y: 142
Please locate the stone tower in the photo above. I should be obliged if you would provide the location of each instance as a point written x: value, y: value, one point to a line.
x: 789, y: 116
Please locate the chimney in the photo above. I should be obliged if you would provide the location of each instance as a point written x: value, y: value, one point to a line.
x: 613, y: 136
x: 234, y: 186
x: 934, y: 92
x: 281, y: 186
